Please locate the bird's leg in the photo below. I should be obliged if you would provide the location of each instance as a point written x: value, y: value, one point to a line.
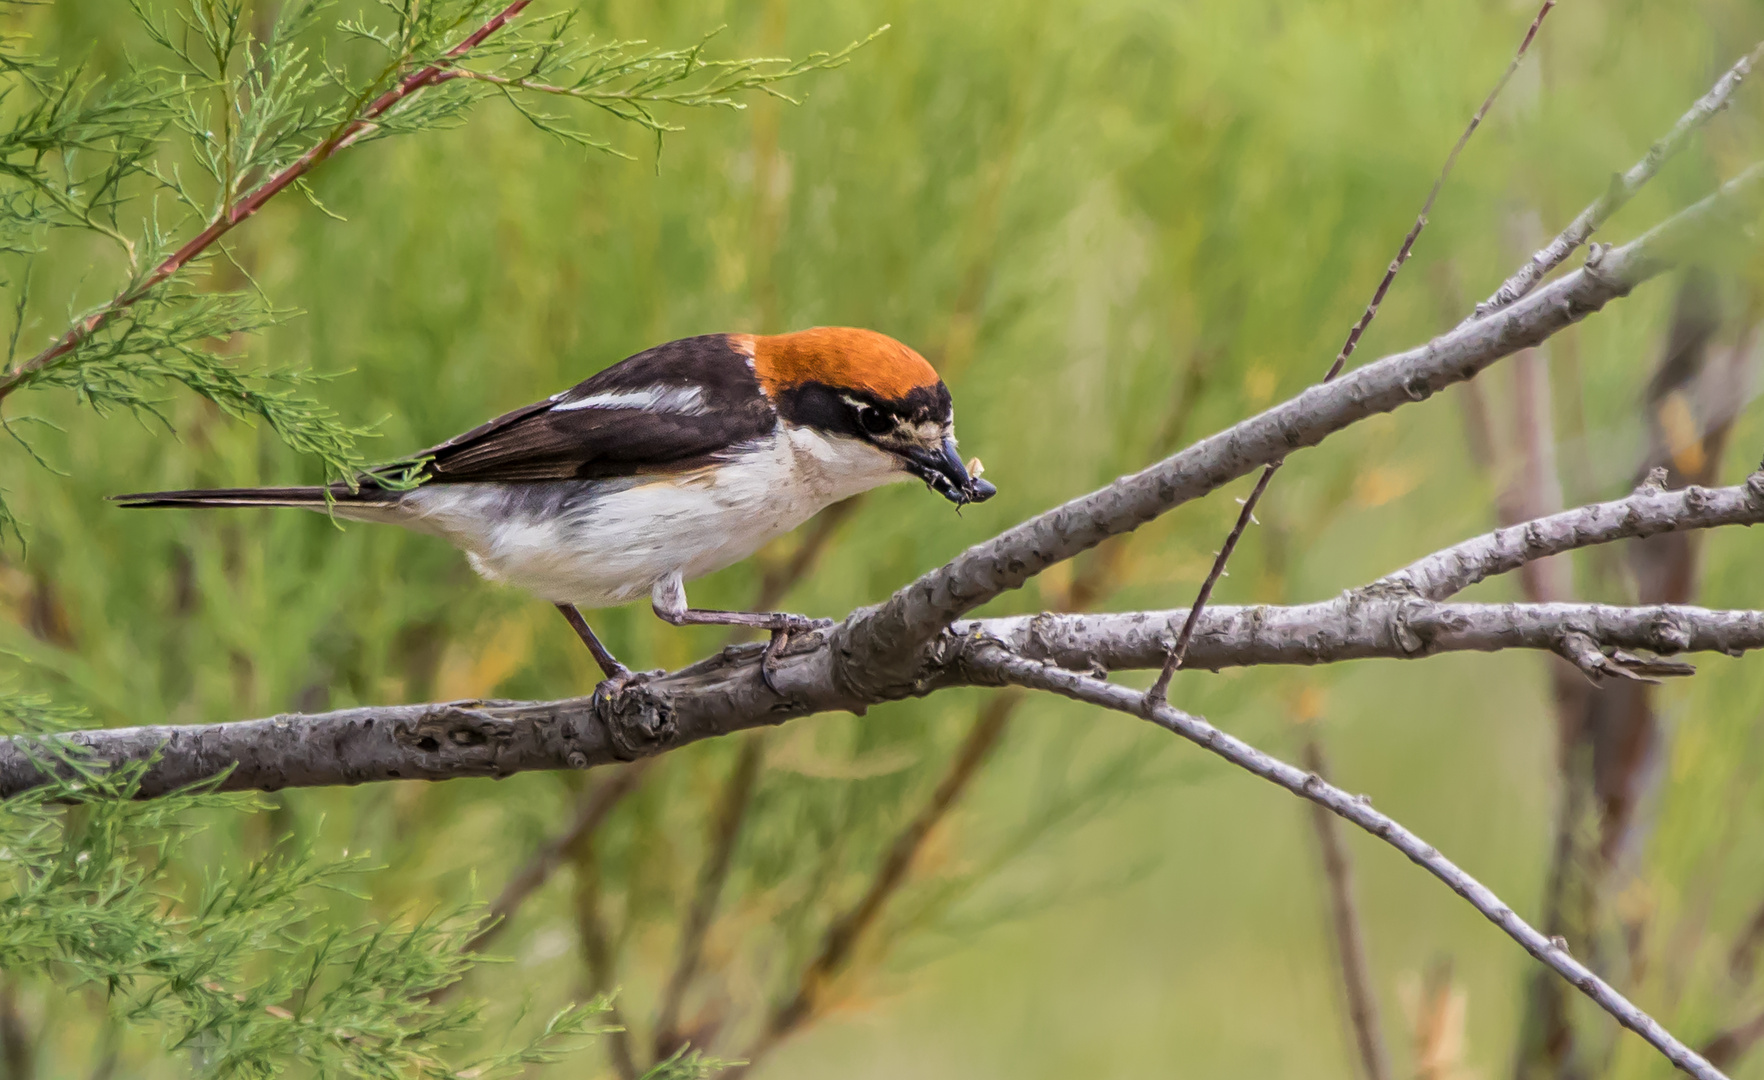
x: 615, y: 671
x: 668, y: 598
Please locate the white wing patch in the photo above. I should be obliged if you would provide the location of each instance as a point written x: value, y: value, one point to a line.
x: 685, y: 400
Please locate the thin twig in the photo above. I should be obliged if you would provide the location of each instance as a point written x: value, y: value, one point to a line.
x: 342, y: 136
x: 1350, y: 943
x: 1160, y: 689
x: 1609, y: 738
x: 884, y: 652
x: 1014, y: 669
x: 1535, y: 487
x: 1396, y: 264
x: 1622, y: 189
x: 108, y: 1052
x: 1091, y: 584
x: 1647, y: 511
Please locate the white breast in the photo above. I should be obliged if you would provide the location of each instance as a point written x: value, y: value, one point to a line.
x: 598, y: 543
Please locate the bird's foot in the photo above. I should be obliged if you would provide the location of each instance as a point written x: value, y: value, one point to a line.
x: 623, y: 679
x: 793, y: 624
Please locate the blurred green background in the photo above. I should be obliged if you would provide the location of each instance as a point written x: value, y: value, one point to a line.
x: 1114, y: 226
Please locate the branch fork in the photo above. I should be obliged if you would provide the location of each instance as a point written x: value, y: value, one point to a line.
x: 1309, y: 785
x: 913, y: 644
x: 1598, y: 662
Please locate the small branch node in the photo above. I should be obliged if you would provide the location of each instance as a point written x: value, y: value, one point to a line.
x: 1597, y: 664
x: 1652, y: 665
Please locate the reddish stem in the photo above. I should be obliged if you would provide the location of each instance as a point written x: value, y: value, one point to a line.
x: 253, y: 202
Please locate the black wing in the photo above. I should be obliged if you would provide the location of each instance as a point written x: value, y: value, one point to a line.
x: 673, y: 406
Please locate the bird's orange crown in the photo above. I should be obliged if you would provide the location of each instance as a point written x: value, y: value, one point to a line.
x: 839, y: 356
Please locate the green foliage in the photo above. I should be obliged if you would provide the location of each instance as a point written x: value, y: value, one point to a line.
x: 86, y: 154
x: 629, y: 81
x: 1114, y: 225
x: 242, y: 967
x: 241, y: 972
x: 687, y: 1064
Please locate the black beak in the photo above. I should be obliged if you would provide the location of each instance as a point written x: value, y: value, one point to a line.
x: 943, y: 471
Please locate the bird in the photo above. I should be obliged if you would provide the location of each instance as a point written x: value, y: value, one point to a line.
x: 664, y: 467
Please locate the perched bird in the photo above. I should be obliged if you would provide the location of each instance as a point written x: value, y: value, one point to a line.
x: 664, y: 467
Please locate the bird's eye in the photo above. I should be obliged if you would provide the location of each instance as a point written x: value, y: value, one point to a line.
x: 872, y: 420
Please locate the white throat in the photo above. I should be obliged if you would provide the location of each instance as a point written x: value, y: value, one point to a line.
x: 836, y: 467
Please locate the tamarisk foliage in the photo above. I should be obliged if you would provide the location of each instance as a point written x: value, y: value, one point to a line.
x: 158, y: 163
x: 257, y: 116
x: 1112, y: 237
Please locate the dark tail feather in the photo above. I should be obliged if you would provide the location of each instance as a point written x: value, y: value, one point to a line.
x: 309, y: 497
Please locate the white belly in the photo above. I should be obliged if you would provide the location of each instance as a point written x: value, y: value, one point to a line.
x: 598, y: 543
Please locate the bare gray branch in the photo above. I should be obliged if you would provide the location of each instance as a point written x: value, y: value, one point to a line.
x: 1623, y: 188
x: 724, y: 694
x: 1362, y: 627
x: 1001, y: 664
x: 1648, y: 512
x: 908, y: 646
x: 876, y: 646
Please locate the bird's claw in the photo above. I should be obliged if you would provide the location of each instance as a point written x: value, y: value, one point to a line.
x: 792, y: 624
x: 769, y: 660
x: 617, y: 683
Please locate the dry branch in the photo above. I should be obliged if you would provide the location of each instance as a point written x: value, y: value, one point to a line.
x: 1622, y: 189
x: 1391, y: 618
x: 877, y: 647
x: 1361, y: 628
x: 1161, y: 687
x: 908, y: 646
x: 1648, y: 512
x: 724, y: 694
x: 999, y: 663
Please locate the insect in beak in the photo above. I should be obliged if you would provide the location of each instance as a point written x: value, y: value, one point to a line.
x: 943, y: 472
